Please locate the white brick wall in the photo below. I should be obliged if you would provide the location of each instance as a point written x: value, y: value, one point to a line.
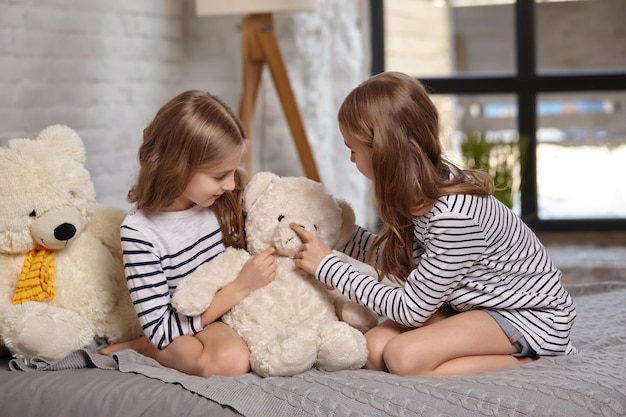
x: 100, y: 67
x: 104, y: 67
x: 326, y: 55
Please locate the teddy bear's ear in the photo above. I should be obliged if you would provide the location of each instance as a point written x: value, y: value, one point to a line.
x: 257, y: 186
x: 65, y: 139
x: 347, y: 222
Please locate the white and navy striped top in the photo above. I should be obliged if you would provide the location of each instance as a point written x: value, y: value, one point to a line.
x: 471, y: 252
x: 159, y: 252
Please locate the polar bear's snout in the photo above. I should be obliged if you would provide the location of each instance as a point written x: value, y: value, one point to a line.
x: 56, y: 228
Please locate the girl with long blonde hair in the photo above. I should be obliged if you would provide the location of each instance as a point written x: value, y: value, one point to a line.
x: 187, y: 209
x: 475, y: 290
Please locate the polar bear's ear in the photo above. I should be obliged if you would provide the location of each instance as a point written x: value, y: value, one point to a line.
x: 257, y: 186
x: 65, y: 139
x: 348, y: 220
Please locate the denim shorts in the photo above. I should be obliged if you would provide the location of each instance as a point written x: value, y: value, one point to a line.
x: 515, y: 336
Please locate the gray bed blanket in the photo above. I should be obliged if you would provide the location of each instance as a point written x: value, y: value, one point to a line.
x: 591, y: 383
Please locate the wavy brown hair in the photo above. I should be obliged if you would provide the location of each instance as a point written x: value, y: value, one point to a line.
x: 193, y: 130
x: 392, y: 114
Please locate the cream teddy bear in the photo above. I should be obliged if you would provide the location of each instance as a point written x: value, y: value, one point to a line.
x: 61, y: 276
x: 295, y: 322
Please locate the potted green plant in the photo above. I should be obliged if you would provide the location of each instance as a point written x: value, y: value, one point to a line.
x: 499, y: 156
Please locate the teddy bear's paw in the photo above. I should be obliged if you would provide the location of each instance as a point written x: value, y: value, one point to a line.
x: 341, y: 347
x: 292, y: 351
x: 356, y: 315
x: 123, y: 325
x: 38, y: 330
x: 195, y: 293
x: 193, y: 296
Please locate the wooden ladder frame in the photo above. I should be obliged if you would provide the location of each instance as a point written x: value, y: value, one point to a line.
x: 259, y: 46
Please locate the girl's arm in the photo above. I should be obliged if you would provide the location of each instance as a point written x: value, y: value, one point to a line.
x: 150, y: 293
x: 440, y: 268
x: 359, y: 244
x: 150, y: 290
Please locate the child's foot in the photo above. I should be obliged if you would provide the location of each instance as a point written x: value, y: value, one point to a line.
x: 140, y: 345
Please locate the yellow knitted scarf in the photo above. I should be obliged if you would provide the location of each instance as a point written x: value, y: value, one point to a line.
x: 36, y: 280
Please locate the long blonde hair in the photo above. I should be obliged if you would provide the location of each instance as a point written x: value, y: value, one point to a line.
x: 192, y: 130
x: 392, y: 114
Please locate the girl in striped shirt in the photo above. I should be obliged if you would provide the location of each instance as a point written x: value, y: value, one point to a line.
x: 187, y: 209
x: 476, y: 290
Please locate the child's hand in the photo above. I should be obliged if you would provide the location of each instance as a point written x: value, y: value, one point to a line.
x: 257, y: 272
x: 312, y: 251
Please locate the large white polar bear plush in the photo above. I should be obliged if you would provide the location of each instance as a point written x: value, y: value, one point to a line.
x: 62, y: 282
x: 295, y: 322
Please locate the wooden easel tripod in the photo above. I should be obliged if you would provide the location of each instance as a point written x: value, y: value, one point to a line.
x: 259, y: 46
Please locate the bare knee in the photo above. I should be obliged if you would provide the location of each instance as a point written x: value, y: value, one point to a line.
x: 214, y: 351
x: 231, y: 361
x: 377, y: 339
x: 375, y: 349
x: 401, y: 358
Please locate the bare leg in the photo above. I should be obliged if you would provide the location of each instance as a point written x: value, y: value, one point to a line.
x: 471, y: 364
x: 216, y: 350
x: 467, y: 342
x: 141, y: 345
x: 378, y: 337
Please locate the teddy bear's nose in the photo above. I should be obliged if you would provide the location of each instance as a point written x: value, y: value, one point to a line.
x: 64, y: 231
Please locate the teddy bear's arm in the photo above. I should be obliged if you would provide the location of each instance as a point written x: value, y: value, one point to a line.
x: 10, y: 267
x: 195, y: 293
x: 105, y: 226
x: 356, y: 315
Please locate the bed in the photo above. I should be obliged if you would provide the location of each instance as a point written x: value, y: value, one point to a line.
x: 592, y: 383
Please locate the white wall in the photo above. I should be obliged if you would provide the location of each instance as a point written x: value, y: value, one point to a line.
x: 104, y: 67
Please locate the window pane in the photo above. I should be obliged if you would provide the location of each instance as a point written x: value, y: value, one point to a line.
x: 581, y: 156
x: 435, y: 38
x: 476, y: 134
x: 581, y: 35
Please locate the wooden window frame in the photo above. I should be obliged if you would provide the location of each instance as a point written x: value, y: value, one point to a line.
x: 526, y: 84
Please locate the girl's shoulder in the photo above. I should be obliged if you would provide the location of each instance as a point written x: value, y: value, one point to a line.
x: 480, y: 211
x: 171, y: 232
x: 462, y: 207
x: 460, y: 203
x: 196, y: 214
x: 134, y: 218
x: 195, y: 220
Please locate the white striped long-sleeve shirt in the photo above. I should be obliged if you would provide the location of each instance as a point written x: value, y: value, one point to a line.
x: 159, y: 252
x: 471, y: 252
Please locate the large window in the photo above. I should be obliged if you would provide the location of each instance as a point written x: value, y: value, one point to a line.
x: 547, y: 74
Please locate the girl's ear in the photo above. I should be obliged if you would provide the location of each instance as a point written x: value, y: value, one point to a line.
x: 348, y: 220
x: 257, y: 186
